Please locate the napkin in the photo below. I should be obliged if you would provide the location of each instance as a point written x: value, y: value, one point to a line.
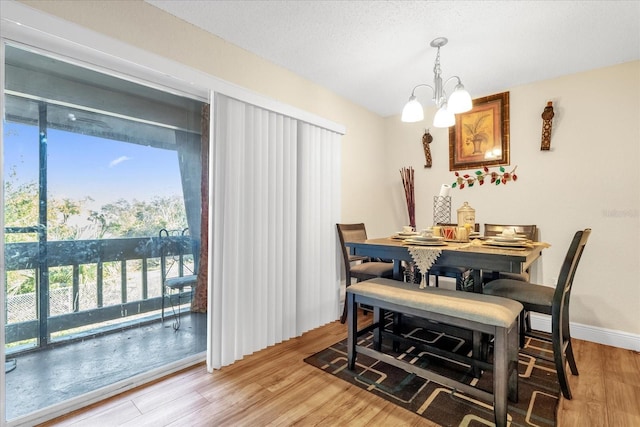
x: 444, y: 190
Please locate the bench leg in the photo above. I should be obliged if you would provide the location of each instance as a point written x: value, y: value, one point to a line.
x: 397, y: 329
x: 505, y: 371
x: 477, y: 351
x: 500, y: 376
x: 352, y: 330
x: 378, y: 319
x: 513, y: 344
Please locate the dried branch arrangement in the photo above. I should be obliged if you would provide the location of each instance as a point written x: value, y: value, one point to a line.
x: 407, y: 182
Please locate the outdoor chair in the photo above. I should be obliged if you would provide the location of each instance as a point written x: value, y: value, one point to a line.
x: 172, y: 266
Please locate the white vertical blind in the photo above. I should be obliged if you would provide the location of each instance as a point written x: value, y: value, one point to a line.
x: 318, y: 212
x: 273, y: 253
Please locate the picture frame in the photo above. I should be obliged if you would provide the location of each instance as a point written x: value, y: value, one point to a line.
x: 480, y: 136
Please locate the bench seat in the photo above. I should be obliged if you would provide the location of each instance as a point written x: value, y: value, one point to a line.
x: 477, y: 312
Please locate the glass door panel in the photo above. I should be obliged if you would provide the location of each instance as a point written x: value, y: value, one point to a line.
x: 94, y: 168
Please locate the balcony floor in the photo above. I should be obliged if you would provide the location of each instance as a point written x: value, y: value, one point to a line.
x: 64, y: 371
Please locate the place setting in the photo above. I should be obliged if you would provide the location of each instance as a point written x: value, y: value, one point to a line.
x: 508, y: 239
x: 406, y: 233
x: 426, y: 237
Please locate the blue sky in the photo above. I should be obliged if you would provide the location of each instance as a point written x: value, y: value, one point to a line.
x: 80, y: 165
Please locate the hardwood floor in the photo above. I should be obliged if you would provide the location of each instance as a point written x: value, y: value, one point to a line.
x: 275, y: 387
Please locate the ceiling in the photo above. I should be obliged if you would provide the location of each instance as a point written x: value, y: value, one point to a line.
x: 374, y: 52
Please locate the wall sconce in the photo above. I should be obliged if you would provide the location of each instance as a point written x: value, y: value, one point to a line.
x: 458, y: 102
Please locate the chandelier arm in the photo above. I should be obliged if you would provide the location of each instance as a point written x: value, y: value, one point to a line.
x: 449, y: 79
x: 420, y: 85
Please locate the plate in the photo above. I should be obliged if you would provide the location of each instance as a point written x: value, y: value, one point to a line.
x: 428, y: 239
x: 425, y: 242
x: 513, y: 244
x: 509, y: 239
x: 409, y: 234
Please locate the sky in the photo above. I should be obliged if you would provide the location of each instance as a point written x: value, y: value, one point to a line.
x: 80, y: 166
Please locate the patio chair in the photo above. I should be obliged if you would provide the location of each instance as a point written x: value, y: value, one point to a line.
x: 172, y: 266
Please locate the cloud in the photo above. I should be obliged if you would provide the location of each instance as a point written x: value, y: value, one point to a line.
x: 118, y: 161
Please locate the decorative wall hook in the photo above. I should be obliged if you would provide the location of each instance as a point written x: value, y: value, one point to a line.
x: 426, y: 140
x: 547, y: 117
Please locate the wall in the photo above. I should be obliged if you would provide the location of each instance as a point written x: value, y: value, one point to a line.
x: 589, y: 178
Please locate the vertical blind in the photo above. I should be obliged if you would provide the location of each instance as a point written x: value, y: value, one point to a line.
x: 275, y: 203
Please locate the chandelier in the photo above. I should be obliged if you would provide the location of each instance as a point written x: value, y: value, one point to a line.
x: 458, y: 102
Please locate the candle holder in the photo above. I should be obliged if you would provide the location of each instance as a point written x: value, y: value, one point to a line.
x: 441, y: 210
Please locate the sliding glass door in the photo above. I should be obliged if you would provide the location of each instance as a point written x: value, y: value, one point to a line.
x: 102, y: 203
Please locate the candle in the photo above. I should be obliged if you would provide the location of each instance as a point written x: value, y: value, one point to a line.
x: 463, y: 234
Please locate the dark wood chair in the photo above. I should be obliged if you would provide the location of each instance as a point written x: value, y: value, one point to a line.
x: 357, y: 267
x: 550, y: 301
x: 530, y: 231
x: 458, y: 273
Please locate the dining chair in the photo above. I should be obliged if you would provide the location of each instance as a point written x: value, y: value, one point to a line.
x: 458, y: 273
x: 530, y: 231
x: 357, y: 267
x: 550, y: 301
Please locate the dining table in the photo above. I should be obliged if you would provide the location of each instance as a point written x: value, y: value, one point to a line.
x: 477, y: 255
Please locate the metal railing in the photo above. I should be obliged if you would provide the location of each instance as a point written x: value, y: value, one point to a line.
x: 133, y: 291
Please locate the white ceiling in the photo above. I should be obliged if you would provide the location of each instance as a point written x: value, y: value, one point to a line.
x: 374, y: 52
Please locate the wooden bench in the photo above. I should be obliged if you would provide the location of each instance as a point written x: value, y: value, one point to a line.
x: 476, y: 312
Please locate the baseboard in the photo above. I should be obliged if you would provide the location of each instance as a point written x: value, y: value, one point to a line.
x: 591, y: 333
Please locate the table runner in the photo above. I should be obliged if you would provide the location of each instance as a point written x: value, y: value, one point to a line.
x: 424, y: 259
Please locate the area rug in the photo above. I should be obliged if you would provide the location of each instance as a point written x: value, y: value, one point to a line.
x: 538, y: 389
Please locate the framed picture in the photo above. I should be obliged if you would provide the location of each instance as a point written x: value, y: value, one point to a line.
x: 480, y: 137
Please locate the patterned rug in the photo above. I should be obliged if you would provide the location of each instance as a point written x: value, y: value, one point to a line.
x: 538, y: 389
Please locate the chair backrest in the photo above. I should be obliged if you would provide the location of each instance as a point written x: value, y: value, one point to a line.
x: 567, y: 273
x: 531, y: 231
x: 476, y: 227
x: 173, y: 249
x: 350, y: 233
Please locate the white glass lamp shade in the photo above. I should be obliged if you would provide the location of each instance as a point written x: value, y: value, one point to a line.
x: 444, y: 118
x: 460, y: 100
x: 412, y: 111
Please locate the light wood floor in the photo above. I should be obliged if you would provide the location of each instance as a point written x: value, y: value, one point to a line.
x: 275, y: 387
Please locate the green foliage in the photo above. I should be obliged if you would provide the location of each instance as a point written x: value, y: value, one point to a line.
x: 67, y: 220
x: 138, y: 218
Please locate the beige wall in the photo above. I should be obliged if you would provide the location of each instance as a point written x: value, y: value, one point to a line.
x: 588, y: 179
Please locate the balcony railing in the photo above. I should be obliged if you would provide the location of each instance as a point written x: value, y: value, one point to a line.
x: 126, y: 281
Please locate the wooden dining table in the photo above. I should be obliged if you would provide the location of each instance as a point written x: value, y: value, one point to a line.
x: 474, y: 255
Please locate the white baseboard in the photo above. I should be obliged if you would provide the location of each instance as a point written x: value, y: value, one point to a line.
x: 591, y: 333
